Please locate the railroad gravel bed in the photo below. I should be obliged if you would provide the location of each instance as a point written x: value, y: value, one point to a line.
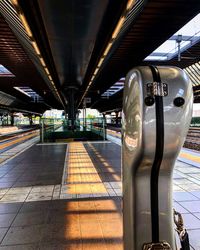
x: 193, y: 139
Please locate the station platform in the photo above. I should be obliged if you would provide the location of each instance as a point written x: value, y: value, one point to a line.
x: 186, y: 155
x: 68, y: 196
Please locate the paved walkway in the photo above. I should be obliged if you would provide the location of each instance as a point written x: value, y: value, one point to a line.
x: 33, y: 217
x: 70, y: 198
x: 32, y: 175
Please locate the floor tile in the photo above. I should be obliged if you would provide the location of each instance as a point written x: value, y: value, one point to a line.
x: 179, y: 208
x: 39, y: 197
x: 192, y: 206
x: 177, y: 188
x: 6, y: 185
x: 6, y: 219
x: 191, y: 222
x: 4, y: 191
x: 31, y: 218
x: 184, y: 196
x: 24, y: 235
x: 20, y: 190
x: 10, y: 207
x: 197, y: 215
x: 196, y: 193
x: 61, y: 246
x: 194, y: 238
x: 20, y: 247
x: 35, y: 206
x: 13, y: 198
x: 3, y: 232
x: 43, y: 189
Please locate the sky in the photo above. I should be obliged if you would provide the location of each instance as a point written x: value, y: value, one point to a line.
x: 196, y: 109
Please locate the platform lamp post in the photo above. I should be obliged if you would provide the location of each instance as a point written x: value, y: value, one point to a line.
x: 104, y: 127
x: 30, y: 119
x: 71, y: 90
x: 117, y: 117
x: 7, y: 120
x: 84, y: 114
x: 4, y: 119
x: 42, y: 130
x: 12, y: 119
x: 179, y: 40
x: 1, y: 119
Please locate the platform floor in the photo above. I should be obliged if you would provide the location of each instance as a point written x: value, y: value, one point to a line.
x: 68, y: 196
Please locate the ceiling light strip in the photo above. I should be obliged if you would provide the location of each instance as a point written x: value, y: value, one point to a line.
x: 9, y: 16
x: 130, y: 4
x: 34, y: 44
x: 14, y: 21
x: 115, y: 33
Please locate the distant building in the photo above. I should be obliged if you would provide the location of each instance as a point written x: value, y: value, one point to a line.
x: 196, y: 110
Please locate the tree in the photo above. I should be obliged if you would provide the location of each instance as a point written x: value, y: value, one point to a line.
x: 90, y: 116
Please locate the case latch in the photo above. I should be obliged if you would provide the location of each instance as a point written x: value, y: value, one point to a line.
x: 157, y: 89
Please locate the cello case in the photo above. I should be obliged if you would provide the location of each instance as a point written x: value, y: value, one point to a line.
x: 157, y: 110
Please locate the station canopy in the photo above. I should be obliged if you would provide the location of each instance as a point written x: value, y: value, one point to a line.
x: 49, y: 48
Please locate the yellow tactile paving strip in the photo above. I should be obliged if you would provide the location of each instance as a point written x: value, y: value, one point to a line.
x: 82, y: 176
x: 189, y: 156
x: 13, y: 142
x: 94, y: 225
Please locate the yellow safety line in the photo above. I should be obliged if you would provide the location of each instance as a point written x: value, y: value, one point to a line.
x: 5, y: 145
x: 190, y: 157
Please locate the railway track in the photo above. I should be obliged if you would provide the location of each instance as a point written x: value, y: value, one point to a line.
x: 193, y: 139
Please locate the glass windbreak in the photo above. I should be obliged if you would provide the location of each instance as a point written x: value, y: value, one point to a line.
x: 60, y: 130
